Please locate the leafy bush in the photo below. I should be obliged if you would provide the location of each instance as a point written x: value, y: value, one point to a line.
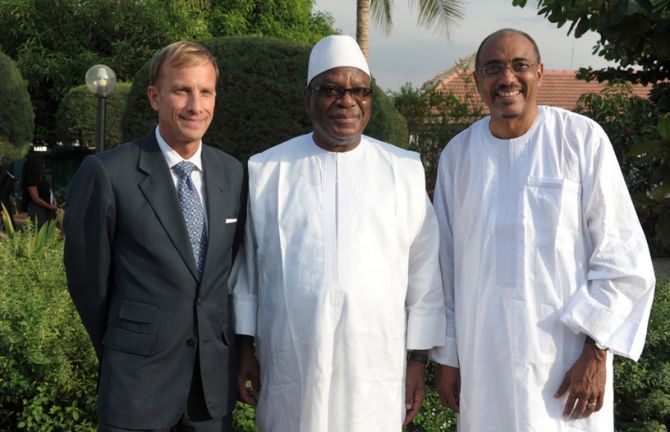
x: 642, y: 389
x: 635, y: 129
x: 259, y: 99
x: 627, y: 119
x: 46, y: 362
x: 76, y: 116
x: 434, y: 117
x: 16, y: 112
x: 48, y: 368
x: 434, y: 416
x: 654, y: 156
x: 55, y: 42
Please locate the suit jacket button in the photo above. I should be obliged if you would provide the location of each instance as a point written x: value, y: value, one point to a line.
x: 190, y: 342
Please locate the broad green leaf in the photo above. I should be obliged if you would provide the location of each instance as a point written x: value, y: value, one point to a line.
x: 7, y: 221
x: 582, y: 27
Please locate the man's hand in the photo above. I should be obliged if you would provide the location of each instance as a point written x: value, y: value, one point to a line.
x: 415, y: 389
x: 448, y: 383
x: 248, y: 371
x: 585, y: 383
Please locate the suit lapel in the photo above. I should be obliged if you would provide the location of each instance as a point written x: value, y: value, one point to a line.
x: 217, y: 193
x: 158, y: 189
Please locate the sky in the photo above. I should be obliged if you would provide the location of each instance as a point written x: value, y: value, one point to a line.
x: 413, y: 54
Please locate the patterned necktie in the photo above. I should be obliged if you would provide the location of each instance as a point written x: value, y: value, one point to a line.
x: 193, y: 212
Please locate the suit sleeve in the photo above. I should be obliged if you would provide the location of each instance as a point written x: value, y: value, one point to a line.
x: 89, y: 227
x: 244, y: 280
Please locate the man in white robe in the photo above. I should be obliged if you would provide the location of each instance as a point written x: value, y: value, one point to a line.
x: 339, y: 277
x: 546, y: 270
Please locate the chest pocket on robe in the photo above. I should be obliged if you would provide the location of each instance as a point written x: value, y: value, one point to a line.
x: 551, y: 212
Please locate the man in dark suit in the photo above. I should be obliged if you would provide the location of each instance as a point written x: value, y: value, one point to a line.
x: 151, y: 230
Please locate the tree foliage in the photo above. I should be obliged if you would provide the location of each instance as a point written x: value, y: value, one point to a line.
x: 632, y: 33
x: 282, y: 19
x: 16, y: 112
x: 440, y: 15
x: 640, y: 135
x: 435, y: 117
x: 54, y: 42
x: 76, y: 116
x: 628, y: 120
x: 259, y: 100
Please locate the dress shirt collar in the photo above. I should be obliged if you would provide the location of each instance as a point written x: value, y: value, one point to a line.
x: 173, y: 158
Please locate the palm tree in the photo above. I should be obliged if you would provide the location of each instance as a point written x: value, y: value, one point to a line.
x: 439, y: 14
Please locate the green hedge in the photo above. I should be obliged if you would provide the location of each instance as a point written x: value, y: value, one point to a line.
x: 16, y: 112
x: 642, y: 389
x: 76, y: 116
x: 48, y: 368
x: 259, y: 99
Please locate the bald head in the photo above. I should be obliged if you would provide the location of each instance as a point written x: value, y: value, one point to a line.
x: 506, y: 32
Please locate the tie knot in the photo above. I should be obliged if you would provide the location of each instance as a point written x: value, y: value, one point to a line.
x: 184, y: 169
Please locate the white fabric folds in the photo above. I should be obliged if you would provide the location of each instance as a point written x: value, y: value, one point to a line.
x: 338, y: 278
x: 540, y: 246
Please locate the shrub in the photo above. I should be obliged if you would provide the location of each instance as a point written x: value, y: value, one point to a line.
x: 642, y: 389
x: 46, y: 362
x: 16, y: 112
x: 627, y: 119
x: 48, y: 368
x: 632, y: 124
x: 259, y: 98
x: 435, y: 117
x: 76, y: 116
x: 434, y: 416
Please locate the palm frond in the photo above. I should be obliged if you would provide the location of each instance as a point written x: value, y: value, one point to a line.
x: 438, y: 15
x: 381, y: 10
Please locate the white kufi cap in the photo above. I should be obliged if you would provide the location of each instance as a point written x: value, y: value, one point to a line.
x: 335, y: 51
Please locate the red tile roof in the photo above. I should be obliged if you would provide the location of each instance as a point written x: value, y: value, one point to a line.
x: 558, y: 88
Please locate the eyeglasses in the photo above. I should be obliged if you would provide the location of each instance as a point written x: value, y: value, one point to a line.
x: 496, y: 67
x: 330, y: 91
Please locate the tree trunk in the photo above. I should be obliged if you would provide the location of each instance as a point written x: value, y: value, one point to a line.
x: 362, y: 24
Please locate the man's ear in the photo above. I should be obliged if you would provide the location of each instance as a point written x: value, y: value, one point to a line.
x: 152, y: 95
x: 540, y: 74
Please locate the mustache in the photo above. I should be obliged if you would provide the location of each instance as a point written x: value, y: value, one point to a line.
x: 513, y: 87
x: 344, y: 113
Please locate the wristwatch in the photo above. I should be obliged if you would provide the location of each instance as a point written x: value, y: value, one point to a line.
x: 419, y: 358
x: 590, y: 341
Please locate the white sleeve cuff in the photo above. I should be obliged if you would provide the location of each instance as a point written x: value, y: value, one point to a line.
x: 425, y: 328
x: 446, y: 355
x: 246, y: 310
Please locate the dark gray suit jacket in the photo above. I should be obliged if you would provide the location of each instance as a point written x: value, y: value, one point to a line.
x: 132, y: 276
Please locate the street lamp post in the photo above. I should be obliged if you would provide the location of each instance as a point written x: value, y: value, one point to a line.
x: 100, y: 80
